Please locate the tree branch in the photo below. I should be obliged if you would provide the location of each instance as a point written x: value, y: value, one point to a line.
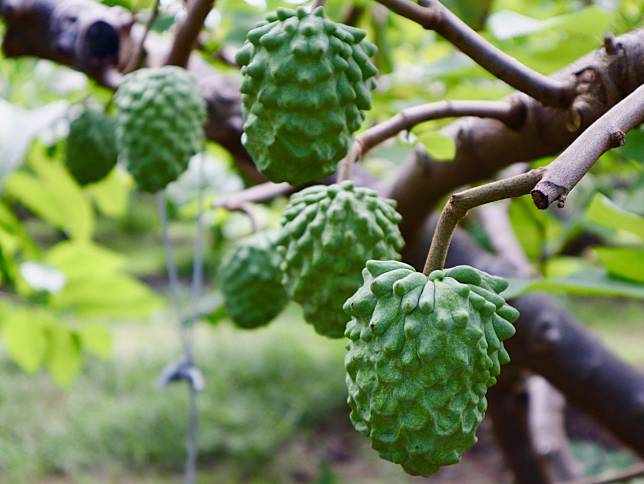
x: 484, y: 146
x: 139, y: 54
x: 259, y: 193
x: 607, y: 132
x: 511, y: 114
x: 435, y: 16
x: 188, y: 32
x: 508, y: 407
x: 459, y: 204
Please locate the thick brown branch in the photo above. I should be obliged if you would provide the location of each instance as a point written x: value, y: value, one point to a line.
x: 459, y: 204
x: 435, y: 16
x: 509, y: 113
x: 187, y: 34
x: 508, y: 407
x: 607, y: 132
x: 484, y: 146
x: 259, y: 193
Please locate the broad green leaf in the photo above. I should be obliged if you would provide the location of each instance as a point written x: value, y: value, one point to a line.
x: 536, y: 230
x: 622, y: 261
x: 52, y: 194
x: 565, y: 266
x: 589, y: 282
x: 63, y: 355
x: 24, y: 337
x: 507, y: 24
x: 96, y: 339
x: 112, y: 195
x: 634, y: 146
x: 438, y: 145
x: 472, y: 13
x: 83, y: 259
x: 604, y: 212
x: 108, y: 295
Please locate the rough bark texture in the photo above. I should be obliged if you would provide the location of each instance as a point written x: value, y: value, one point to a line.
x: 97, y: 40
x: 484, y: 146
x: 508, y: 407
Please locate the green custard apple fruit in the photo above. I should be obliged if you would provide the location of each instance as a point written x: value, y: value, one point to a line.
x: 251, y: 281
x: 422, y: 353
x: 91, y: 147
x: 160, y: 117
x: 306, y: 81
x: 328, y: 234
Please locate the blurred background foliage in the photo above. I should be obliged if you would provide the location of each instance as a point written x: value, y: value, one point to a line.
x: 82, y: 268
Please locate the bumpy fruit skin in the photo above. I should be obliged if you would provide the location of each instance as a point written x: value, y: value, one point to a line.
x: 422, y: 353
x: 328, y: 234
x: 251, y: 281
x: 160, y: 118
x: 305, y: 81
x: 91, y: 147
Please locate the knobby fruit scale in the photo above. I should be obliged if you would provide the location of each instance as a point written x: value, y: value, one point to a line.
x: 306, y: 81
x: 251, y: 281
x: 91, y: 147
x: 423, y: 349
x: 160, y: 118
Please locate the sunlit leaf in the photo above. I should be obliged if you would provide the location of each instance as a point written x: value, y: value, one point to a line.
x: 588, y: 282
x: 622, y: 261
x: 96, y: 339
x: 52, y: 194
x: 438, y: 145
x: 112, y: 194
x: 604, y: 212
x: 63, y: 355
x: 24, y: 338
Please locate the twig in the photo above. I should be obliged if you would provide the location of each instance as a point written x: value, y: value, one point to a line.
x: 139, y: 53
x: 614, y: 476
x: 607, y: 132
x: 197, y: 290
x: 436, y: 17
x: 459, y: 203
x: 188, y: 32
x: 510, y: 113
x: 318, y: 3
x: 259, y: 193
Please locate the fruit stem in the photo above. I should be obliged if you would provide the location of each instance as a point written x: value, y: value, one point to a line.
x: 460, y: 203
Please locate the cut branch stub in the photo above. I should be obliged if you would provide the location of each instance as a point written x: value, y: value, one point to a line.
x: 608, y: 132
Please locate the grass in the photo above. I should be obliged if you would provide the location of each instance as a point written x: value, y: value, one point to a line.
x: 268, y: 394
x: 261, y: 386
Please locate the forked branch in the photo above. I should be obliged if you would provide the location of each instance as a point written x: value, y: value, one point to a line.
x: 509, y: 113
x: 438, y: 18
x: 188, y: 32
x: 607, y: 132
x: 459, y: 204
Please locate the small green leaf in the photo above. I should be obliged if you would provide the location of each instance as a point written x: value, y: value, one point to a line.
x: 438, y: 145
x: 83, y: 259
x: 622, y: 261
x: 604, y: 212
x: 63, y: 355
x: 96, y: 339
x: 52, y: 194
x: 112, y: 194
x: 588, y: 282
x: 24, y: 338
